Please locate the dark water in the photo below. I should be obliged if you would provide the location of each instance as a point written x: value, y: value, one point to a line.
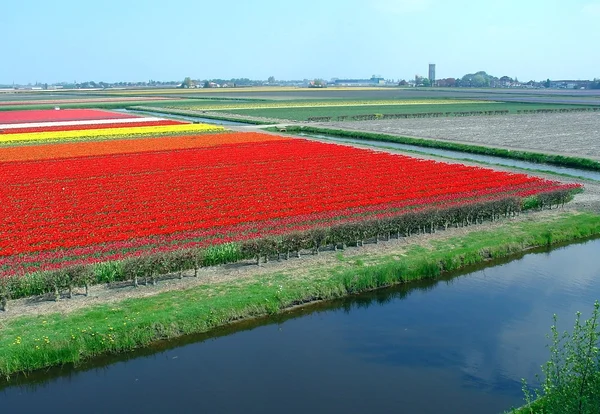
x: 459, y: 345
x: 465, y: 156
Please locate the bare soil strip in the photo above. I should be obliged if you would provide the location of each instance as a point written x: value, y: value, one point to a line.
x: 557, y: 133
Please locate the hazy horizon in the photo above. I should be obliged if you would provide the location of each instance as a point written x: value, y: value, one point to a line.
x: 66, y: 41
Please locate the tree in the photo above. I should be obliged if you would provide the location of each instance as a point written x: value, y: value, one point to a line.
x: 547, y: 83
x: 426, y: 82
x: 480, y: 81
x: 271, y: 79
x: 447, y: 82
x: 477, y: 80
x: 187, y: 83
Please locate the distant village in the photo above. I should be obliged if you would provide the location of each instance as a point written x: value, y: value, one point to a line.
x: 472, y: 80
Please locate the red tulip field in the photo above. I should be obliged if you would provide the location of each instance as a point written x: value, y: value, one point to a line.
x: 99, y: 201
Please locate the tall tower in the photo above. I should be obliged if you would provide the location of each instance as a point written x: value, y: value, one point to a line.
x: 432, y: 73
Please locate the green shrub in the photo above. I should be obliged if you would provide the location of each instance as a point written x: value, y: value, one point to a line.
x: 107, y: 272
x: 571, y: 381
x: 222, y: 253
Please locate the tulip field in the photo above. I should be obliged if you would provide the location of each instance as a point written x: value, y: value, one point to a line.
x: 207, y: 106
x: 23, y: 117
x: 109, y: 133
x: 80, y: 126
x: 80, y: 202
x: 81, y: 100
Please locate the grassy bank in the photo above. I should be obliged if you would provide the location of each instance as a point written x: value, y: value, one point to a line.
x: 558, y: 160
x: 30, y: 343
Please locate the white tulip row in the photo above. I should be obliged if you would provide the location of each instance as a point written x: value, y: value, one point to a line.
x: 85, y: 122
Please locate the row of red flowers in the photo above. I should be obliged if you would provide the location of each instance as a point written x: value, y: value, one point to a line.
x: 56, y: 208
x: 49, y: 115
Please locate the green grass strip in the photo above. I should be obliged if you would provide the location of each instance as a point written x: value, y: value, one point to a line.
x: 558, y: 160
x: 30, y: 343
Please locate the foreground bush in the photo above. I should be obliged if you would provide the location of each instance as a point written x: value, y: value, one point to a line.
x: 571, y: 381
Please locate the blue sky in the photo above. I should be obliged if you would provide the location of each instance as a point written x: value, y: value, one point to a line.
x: 136, y: 40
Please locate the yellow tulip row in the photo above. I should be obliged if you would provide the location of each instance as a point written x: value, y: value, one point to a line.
x: 300, y: 104
x: 126, y: 132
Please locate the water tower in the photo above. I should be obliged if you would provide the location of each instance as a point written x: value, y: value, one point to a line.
x: 432, y: 73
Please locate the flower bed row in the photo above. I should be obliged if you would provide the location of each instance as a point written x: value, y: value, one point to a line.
x: 129, y: 146
x: 82, y: 100
x: 322, y: 104
x: 104, y: 207
x: 46, y: 115
x: 81, y: 126
x: 150, y: 266
x: 122, y: 132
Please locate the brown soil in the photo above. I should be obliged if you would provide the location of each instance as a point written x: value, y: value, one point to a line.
x: 574, y: 134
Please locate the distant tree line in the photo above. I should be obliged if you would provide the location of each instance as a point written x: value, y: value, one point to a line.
x: 482, y: 79
x: 106, y: 85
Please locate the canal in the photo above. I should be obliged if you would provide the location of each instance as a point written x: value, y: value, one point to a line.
x: 457, y: 345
